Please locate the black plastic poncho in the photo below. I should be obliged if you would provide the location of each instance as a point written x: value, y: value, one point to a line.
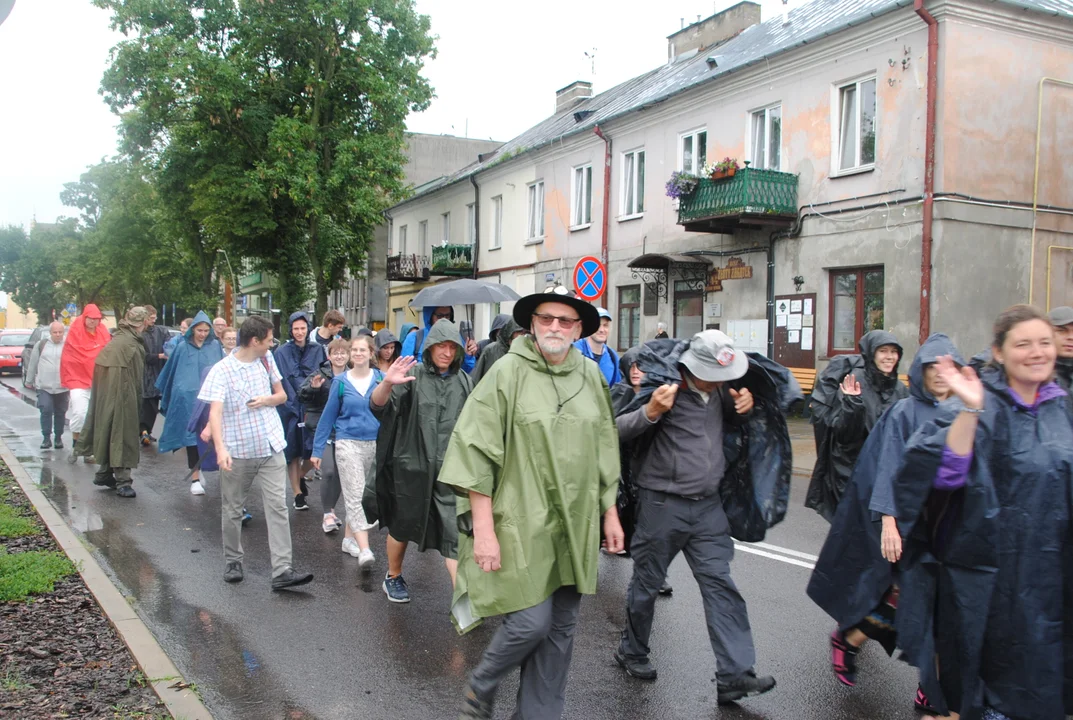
x: 851, y: 574
x: 755, y: 489
x: 993, y: 595
x: 842, y: 423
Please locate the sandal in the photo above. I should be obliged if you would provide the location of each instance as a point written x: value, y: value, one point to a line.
x: 843, y: 659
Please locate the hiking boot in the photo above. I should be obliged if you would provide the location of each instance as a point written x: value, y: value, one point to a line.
x: 46, y: 444
x: 300, y: 502
x: 665, y: 589
x: 89, y: 460
x: 126, y: 492
x: 640, y: 669
x: 233, y: 573
x: 843, y: 659
x: 747, y: 685
x: 396, y: 590
x: 290, y: 578
x: 107, y: 481
x: 58, y: 444
x: 473, y: 707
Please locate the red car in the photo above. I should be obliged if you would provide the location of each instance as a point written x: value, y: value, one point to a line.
x: 12, y: 345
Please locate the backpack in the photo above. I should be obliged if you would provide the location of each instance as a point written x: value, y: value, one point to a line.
x: 419, y: 340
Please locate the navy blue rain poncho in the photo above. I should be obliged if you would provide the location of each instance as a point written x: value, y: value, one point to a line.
x: 992, y: 600
x: 180, y: 381
x: 295, y: 365
x: 756, y: 487
x: 842, y: 423
x: 851, y: 575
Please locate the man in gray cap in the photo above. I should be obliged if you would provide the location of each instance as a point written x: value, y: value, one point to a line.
x: 677, y: 475
x: 1062, y: 319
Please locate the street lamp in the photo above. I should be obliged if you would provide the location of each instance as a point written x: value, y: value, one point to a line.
x: 234, y: 287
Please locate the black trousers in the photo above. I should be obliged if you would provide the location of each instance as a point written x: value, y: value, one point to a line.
x: 149, y: 410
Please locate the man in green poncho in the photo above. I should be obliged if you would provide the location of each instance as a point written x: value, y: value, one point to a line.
x: 535, y: 459
x: 112, y: 421
x: 417, y: 406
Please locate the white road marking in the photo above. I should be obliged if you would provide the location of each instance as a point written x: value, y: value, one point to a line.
x: 753, y: 549
x: 785, y: 551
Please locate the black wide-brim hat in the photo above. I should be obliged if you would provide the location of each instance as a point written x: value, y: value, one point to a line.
x: 524, y: 308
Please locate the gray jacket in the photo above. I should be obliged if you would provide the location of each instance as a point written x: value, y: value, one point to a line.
x: 43, y: 369
x: 685, y: 450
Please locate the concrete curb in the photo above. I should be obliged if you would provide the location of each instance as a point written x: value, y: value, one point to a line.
x: 155, y: 664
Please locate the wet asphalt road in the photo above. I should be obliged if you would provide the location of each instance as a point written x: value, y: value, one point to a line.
x: 340, y: 650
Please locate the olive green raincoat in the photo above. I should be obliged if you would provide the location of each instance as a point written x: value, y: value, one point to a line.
x: 541, y: 441
x: 415, y: 427
x: 112, y: 427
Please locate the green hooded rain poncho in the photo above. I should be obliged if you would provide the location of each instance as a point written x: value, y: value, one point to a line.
x: 540, y: 440
x: 415, y: 426
x: 111, y: 432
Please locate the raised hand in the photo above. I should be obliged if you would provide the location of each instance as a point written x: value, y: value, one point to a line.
x: 743, y: 400
x: 850, y: 386
x: 397, y: 373
x: 317, y: 381
x: 963, y: 382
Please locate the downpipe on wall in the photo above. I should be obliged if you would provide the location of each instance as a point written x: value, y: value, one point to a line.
x: 1035, y: 194
x: 607, y: 206
x: 929, y: 169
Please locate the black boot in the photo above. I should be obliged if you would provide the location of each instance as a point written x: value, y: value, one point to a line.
x: 46, y: 443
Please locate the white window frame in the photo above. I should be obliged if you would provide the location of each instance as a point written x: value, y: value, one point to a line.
x: 535, y: 215
x: 497, y: 223
x: 471, y: 224
x: 764, y: 115
x: 698, y: 162
x: 632, y: 204
x: 422, y: 238
x: 445, y: 235
x: 581, y: 197
x: 402, y: 239
x: 836, y: 126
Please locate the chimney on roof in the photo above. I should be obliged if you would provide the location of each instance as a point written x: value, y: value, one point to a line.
x: 712, y: 31
x: 572, y: 94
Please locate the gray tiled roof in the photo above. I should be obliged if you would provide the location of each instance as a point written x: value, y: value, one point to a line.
x: 808, y: 23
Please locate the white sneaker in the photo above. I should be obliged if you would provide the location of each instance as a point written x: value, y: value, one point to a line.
x: 330, y: 523
x: 196, y: 488
x: 366, y: 558
x: 349, y: 546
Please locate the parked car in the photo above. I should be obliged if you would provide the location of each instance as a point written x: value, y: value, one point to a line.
x: 12, y: 346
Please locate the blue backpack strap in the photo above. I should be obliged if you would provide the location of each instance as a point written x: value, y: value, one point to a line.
x: 419, y: 340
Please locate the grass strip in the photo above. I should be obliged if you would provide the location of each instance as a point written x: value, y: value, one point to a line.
x: 31, y: 573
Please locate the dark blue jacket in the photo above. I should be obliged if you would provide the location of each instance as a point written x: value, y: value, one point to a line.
x: 295, y: 365
x: 851, y: 574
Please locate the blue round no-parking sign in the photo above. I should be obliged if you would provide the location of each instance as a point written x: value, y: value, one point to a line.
x: 590, y: 278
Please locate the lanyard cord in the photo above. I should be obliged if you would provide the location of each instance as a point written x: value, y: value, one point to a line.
x: 555, y: 387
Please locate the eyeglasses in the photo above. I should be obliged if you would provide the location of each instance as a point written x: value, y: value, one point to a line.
x: 565, y: 323
x: 441, y: 316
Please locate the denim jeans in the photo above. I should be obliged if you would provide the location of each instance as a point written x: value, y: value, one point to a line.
x: 53, y: 412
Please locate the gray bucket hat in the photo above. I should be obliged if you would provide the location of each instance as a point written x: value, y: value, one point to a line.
x: 711, y: 356
x: 1060, y: 316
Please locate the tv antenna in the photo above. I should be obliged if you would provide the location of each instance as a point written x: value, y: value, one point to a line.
x: 592, y: 61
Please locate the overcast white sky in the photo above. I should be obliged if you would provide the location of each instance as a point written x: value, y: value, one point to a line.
x: 497, y: 69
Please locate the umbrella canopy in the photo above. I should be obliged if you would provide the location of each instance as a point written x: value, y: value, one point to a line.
x: 464, y: 292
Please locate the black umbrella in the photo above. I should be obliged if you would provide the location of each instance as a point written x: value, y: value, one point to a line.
x: 464, y: 292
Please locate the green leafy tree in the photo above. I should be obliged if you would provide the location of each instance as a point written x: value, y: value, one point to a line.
x: 28, y: 269
x: 275, y: 127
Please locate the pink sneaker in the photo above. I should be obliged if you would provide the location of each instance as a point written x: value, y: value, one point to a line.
x: 843, y: 659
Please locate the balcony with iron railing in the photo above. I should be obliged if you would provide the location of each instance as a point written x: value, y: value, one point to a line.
x: 452, y: 260
x: 751, y: 199
x: 404, y: 267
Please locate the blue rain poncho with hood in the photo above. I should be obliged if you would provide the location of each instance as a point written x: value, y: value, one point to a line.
x: 993, y: 587
x: 180, y: 381
x: 295, y: 365
x: 851, y: 574
x: 842, y: 422
x: 409, y: 341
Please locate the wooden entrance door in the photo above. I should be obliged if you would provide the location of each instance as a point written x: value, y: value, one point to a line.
x: 795, y: 330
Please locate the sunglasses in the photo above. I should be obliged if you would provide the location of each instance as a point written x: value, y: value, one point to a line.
x: 441, y: 316
x: 565, y: 323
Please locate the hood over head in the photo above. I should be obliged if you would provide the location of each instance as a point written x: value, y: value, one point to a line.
x: 875, y: 339
x: 497, y: 324
x: 406, y: 329
x: 385, y: 337
x: 92, y: 311
x: 627, y: 359
x: 299, y: 315
x: 505, y: 332
x: 428, y: 311
x: 444, y: 331
x: 201, y: 317
x: 933, y: 348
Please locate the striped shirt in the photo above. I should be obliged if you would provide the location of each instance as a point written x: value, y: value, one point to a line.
x: 248, y: 432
